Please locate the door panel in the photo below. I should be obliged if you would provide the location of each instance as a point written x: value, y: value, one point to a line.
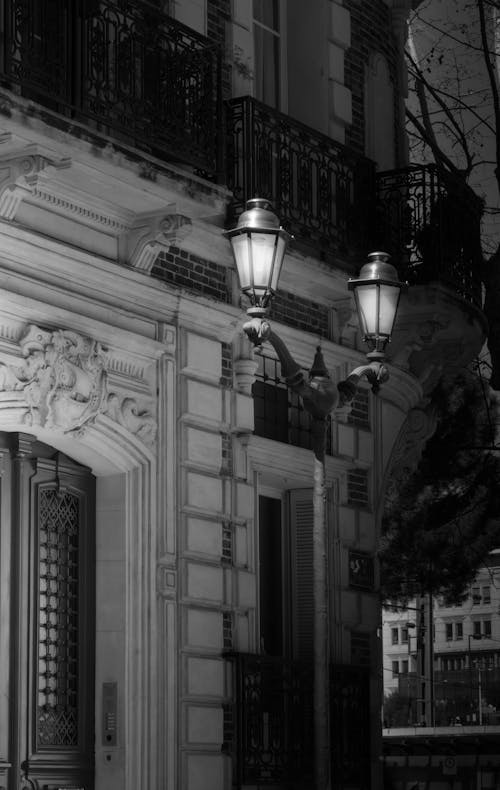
x: 47, y: 564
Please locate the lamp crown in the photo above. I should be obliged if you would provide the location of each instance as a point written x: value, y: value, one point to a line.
x: 378, y: 268
x: 258, y: 214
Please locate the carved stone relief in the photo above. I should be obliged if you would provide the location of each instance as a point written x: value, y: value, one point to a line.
x: 63, y: 377
x: 417, y: 428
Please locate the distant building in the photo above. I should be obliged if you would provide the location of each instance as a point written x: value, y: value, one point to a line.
x: 465, y: 649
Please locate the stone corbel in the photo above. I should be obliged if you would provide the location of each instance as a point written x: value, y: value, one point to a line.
x: 150, y: 234
x: 19, y: 176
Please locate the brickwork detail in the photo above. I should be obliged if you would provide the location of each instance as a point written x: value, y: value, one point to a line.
x: 227, y: 455
x: 226, y: 379
x: 357, y: 487
x: 227, y: 544
x: 360, y: 410
x: 371, y: 31
x: 218, y: 15
x: 184, y: 270
x: 301, y: 313
x: 227, y: 630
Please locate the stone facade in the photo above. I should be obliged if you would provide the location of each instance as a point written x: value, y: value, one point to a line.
x: 121, y: 348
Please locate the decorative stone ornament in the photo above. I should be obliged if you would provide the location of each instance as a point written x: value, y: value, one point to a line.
x: 64, y: 381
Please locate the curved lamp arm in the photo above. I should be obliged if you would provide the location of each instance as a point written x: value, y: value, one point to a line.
x: 319, y: 394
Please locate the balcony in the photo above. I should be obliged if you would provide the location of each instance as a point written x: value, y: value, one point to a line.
x: 338, y: 207
x: 128, y: 73
x: 271, y: 739
x: 320, y: 189
x: 431, y: 229
x: 125, y: 70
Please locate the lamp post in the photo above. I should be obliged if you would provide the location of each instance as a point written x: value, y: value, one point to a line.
x: 259, y: 245
x: 479, y: 683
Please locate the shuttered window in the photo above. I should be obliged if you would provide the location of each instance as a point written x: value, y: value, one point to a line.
x: 301, y: 533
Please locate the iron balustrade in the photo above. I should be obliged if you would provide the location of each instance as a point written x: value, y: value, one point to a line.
x: 431, y: 227
x: 273, y: 723
x: 320, y: 189
x: 126, y: 69
x: 272, y: 741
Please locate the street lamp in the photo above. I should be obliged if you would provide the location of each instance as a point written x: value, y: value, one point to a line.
x: 259, y: 244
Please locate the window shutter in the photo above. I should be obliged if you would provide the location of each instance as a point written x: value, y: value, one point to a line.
x: 301, y: 544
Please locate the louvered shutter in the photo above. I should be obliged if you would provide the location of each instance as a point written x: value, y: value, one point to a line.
x: 301, y: 555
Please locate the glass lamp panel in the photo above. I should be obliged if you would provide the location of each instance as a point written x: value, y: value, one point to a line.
x: 389, y: 298
x: 241, y: 252
x: 263, y: 254
x: 278, y: 262
x: 367, y: 299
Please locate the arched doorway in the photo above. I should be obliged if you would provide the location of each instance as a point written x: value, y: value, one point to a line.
x: 47, y: 622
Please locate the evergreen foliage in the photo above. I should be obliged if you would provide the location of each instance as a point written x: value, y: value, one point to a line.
x: 441, y: 523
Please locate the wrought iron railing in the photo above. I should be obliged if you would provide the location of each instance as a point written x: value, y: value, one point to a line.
x: 125, y: 68
x: 431, y: 227
x: 273, y: 734
x: 272, y: 742
x: 320, y: 189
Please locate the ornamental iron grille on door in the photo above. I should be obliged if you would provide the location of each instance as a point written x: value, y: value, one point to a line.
x: 58, y: 666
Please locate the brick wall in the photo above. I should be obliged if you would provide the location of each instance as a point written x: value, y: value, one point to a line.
x: 371, y: 31
x: 218, y: 15
x: 300, y: 313
x: 180, y: 268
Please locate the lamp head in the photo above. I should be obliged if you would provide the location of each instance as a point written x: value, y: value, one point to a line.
x: 259, y: 244
x: 376, y: 293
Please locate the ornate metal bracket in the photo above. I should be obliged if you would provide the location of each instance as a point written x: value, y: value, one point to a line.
x: 320, y: 396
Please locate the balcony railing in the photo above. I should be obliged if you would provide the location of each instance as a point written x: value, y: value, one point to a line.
x: 125, y: 69
x: 272, y: 742
x: 431, y: 228
x: 320, y: 189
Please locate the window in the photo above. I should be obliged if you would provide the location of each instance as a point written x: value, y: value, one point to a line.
x: 487, y: 628
x: 486, y: 593
x: 395, y: 669
x: 279, y: 412
x: 476, y: 629
x: 459, y: 631
x: 404, y: 636
x: 476, y: 595
x: 449, y: 631
x: 270, y: 576
x: 267, y: 55
x: 394, y: 636
x: 404, y: 665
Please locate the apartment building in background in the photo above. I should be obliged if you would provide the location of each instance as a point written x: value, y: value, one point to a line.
x: 156, y: 474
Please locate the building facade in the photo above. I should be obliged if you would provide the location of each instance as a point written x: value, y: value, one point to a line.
x: 156, y: 474
x: 465, y: 659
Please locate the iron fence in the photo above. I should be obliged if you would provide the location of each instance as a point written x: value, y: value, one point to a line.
x: 273, y: 738
x: 273, y: 742
x: 125, y: 68
x: 319, y: 188
x: 431, y: 227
